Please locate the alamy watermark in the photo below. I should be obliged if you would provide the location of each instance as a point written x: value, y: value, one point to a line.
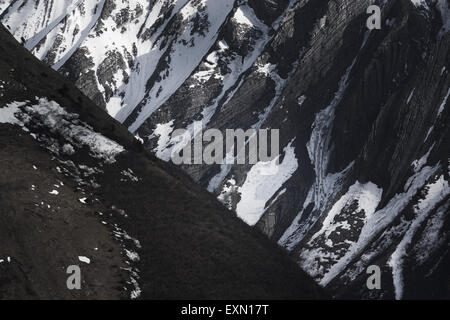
x: 374, y: 280
x: 374, y: 21
x: 74, y: 280
x: 231, y: 146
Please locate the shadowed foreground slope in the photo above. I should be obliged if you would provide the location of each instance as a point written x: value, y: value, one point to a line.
x: 74, y: 183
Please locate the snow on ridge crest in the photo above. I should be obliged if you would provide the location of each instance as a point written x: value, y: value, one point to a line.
x: 52, y: 116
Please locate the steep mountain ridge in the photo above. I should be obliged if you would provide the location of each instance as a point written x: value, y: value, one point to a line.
x: 78, y: 189
x: 363, y: 117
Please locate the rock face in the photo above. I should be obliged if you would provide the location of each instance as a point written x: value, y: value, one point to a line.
x: 77, y: 189
x: 363, y: 116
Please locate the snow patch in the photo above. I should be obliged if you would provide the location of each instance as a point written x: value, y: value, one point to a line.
x: 258, y: 189
x: 133, y: 256
x: 368, y: 196
x: 444, y: 102
x: 7, y: 114
x: 163, y: 131
x: 418, y: 164
x: 83, y: 200
x: 84, y: 259
x: 301, y: 100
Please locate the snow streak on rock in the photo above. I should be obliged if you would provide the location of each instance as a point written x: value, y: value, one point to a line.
x: 435, y: 193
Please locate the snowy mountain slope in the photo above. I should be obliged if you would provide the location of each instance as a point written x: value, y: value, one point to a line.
x: 78, y: 189
x: 362, y: 118
x: 140, y: 53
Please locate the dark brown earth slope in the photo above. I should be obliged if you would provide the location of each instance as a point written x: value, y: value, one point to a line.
x: 142, y: 223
